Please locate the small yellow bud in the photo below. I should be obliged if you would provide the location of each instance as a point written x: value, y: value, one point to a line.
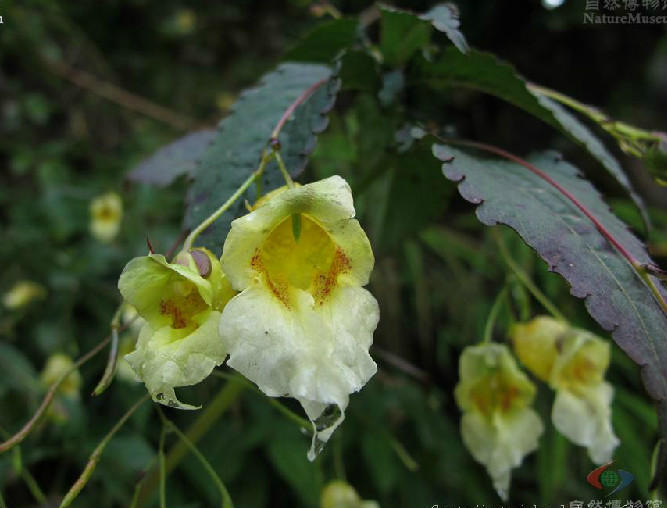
x: 106, y: 213
x: 22, y: 293
x: 339, y: 494
x: 56, y: 366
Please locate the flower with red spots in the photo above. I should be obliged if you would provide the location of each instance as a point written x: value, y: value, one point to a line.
x: 179, y: 344
x: 302, y: 323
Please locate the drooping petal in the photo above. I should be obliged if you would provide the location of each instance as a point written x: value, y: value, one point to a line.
x: 501, y: 444
x: 167, y: 358
x: 584, y: 417
x: 315, y: 353
x: 498, y: 425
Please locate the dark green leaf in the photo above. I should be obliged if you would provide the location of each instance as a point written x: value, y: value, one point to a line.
x: 380, y: 460
x: 445, y: 18
x: 415, y: 196
x: 486, y: 73
x: 402, y: 34
x: 16, y: 371
x: 582, y: 135
x: 243, y: 135
x: 616, y: 296
x: 325, y: 42
x: 359, y: 71
x: 175, y: 159
x: 288, y: 455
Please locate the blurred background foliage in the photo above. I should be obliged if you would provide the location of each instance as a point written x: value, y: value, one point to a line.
x: 135, y: 74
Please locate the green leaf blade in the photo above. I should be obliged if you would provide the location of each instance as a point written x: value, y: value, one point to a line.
x: 243, y: 135
x: 615, y: 295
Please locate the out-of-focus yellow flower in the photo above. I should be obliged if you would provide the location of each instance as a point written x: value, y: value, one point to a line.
x: 179, y: 344
x: 225, y: 101
x: 302, y: 324
x: 106, y: 213
x: 185, y: 21
x: 56, y: 365
x: 573, y: 362
x: 498, y: 426
x: 22, y: 293
x: 339, y: 494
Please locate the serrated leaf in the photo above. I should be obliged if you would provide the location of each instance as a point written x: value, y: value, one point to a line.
x: 445, y: 18
x: 402, y: 34
x: 486, y: 73
x: 582, y: 135
x: 176, y: 159
x: 236, y: 151
x: 615, y: 295
x: 483, y: 72
x: 325, y: 41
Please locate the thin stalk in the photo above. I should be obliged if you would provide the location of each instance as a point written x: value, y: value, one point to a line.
x: 162, y: 466
x: 283, y: 169
x: 301, y: 422
x: 110, y: 369
x: 48, y: 398
x: 97, y: 454
x: 28, y: 478
x: 2, y: 501
x: 493, y: 315
x: 527, y: 281
x: 339, y: 464
x: 214, y: 216
x: 221, y: 403
x: 171, y: 426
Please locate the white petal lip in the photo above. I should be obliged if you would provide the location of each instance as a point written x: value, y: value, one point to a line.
x: 315, y: 353
x: 585, y: 419
x: 163, y: 363
x: 502, y: 443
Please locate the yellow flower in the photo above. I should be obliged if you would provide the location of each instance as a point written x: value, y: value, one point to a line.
x: 179, y: 344
x: 22, y: 293
x: 106, y: 213
x: 56, y: 365
x: 573, y: 362
x: 302, y: 324
x: 339, y: 494
x: 498, y: 426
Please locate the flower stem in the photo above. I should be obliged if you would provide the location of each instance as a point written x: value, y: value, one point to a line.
x: 221, y: 403
x: 493, y: 315
x: 162, y: 465
x: 215, y: 215
x: 526, y: 280
x: 171, y: 426
x: 110, y: 369
x: 301, y: 422
x: 283, y: 169
x: 97, y: 453
x: 48, y: 398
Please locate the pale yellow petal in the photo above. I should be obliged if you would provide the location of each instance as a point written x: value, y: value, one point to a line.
x: 317, y: 354
x: 167, y: 358
x: 584, y: 417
